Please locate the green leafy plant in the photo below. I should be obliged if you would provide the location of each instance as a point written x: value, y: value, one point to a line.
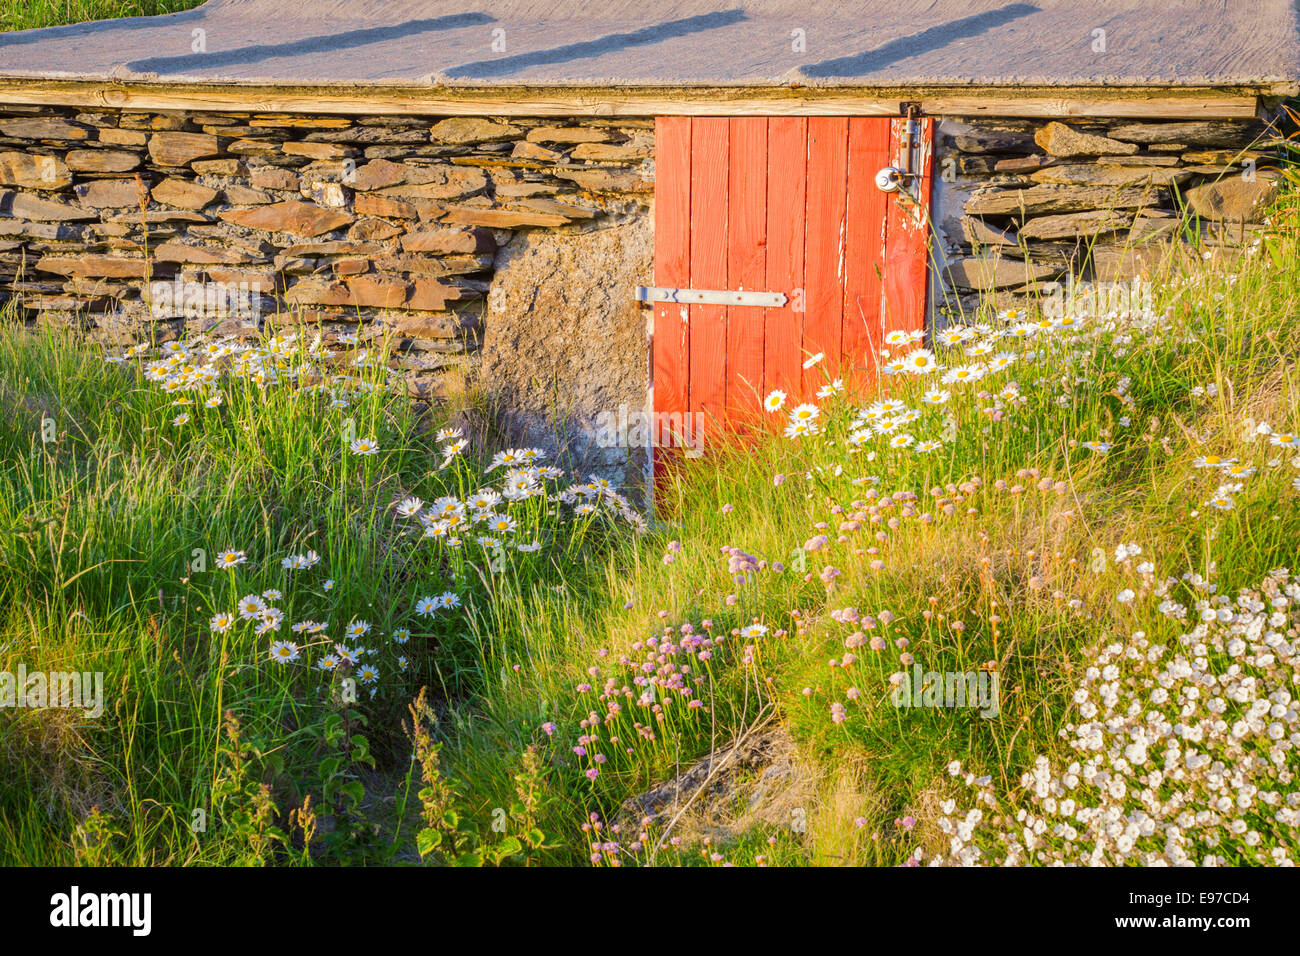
x: 241, y: 800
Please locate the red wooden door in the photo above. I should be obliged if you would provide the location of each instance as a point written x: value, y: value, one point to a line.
x: 781, y: 204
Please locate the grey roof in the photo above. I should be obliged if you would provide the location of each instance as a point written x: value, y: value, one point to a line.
x: 698, y: 43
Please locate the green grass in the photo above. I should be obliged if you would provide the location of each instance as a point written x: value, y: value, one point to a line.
x: 114, y: 514
x: 105, y: 505
x: 113, y: 520
x: 33, y: 14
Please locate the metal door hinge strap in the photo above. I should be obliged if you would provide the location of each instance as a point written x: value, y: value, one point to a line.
x: 773, y: 300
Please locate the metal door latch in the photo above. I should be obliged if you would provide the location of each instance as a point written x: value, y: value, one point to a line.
x: 891, y: 179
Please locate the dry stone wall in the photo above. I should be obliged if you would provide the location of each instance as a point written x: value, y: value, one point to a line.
x: 1020, y: 203
x: 148, y: 226
x: 502, y: 252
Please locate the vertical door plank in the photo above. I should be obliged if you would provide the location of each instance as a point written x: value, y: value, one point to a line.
x: 746, y: 261
x: 709, y: 228
x: 869, y: 152
x: 824, y: 255
x: 787, y: 149
x: 785, y: 204
x: 670, y: 366
x: 907, y: 246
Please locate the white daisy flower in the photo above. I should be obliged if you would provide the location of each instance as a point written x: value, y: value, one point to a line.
x: 284, y: 651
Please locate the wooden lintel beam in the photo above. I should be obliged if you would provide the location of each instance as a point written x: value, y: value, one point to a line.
x: 1133, y: 103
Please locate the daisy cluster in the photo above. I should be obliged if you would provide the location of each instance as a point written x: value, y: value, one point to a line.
x: 503, y: 517
x: 889, y: 418
x: 193, y: 370
x: 1232, y: 474
x: 1185, y: 747
x: 983, y: 351
x: 307, y: 643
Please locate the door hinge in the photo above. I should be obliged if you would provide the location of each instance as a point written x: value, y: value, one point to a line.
x: 771, y: 300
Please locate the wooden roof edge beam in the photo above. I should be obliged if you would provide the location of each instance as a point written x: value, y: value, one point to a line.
x: 1131, y: 102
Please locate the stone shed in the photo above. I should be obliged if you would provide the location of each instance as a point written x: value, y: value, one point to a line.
x: 617, y: 218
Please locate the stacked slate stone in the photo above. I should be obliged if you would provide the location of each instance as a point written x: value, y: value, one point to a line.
x: 1101, y: 199
x: 366, y: 226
